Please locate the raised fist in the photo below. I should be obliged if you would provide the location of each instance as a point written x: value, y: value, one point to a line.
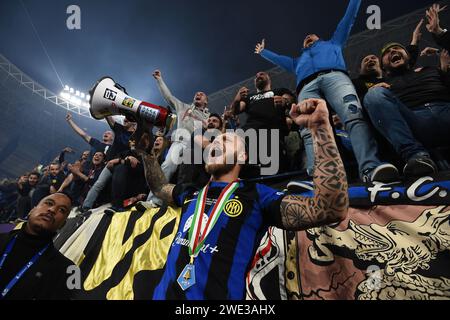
x: 157, y: 74
x: 242, y: 94
x: 310, y: 113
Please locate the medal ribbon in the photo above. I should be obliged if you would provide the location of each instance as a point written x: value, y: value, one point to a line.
x: 198, y: 233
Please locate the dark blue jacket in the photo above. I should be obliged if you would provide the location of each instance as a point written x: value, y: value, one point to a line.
x: 322, y: 55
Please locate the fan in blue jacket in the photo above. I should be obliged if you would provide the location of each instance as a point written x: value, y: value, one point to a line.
x: 322, y: 73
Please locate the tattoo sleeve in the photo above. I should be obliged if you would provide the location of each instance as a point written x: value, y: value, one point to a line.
x: 330, y: 202
x: 156, y: 179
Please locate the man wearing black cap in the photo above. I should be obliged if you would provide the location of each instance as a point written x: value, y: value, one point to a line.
x: 371, y: 74
x: 414, y: 112
x: 30, y: 266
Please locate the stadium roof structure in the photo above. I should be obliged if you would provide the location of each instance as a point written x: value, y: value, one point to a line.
x: 358, y: 46
x: 36, y: 88
x: 33, y: 129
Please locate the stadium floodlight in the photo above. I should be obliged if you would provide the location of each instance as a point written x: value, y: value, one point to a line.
x: 65, y: 95
x: 75, y: 97
x: 75, y: 101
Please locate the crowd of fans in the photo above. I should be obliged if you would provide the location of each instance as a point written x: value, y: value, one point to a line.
x: 394, y: 115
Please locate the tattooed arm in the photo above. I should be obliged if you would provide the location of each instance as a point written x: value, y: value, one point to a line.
x: 330, y: 202
x: 156, y: 179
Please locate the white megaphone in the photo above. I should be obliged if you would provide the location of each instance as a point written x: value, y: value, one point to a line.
x: 108, y: 98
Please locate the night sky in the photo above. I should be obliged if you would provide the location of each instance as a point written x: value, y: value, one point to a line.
x: 197, y: 44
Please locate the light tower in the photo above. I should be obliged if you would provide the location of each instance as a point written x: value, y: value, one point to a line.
x: 75, y: 97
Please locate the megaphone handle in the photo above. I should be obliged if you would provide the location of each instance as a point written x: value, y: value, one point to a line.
x: 118, y: 86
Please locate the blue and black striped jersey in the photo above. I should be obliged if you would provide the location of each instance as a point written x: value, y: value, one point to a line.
x: 225, y: 257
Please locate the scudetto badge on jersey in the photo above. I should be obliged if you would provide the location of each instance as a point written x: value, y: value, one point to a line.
x: 233, y: 208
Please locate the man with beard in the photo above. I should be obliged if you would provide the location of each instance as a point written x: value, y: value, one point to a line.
x: 30, y: 267
x: 371, y: 74
x: 414, y: 113
x: 188, y: 115
x: 322, y: 73
x: 200, y: 140
x: 49, y: 184
x: 265, y: 111
x: 223, y: 222
x: 25, y: 188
